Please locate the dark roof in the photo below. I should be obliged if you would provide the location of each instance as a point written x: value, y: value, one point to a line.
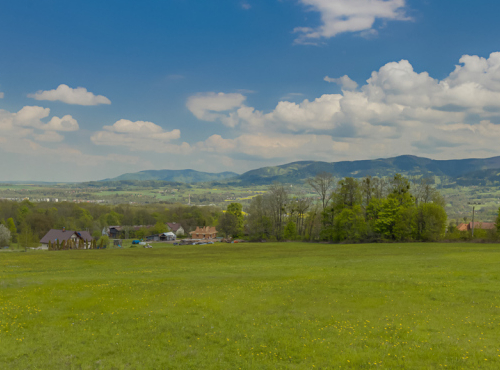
x: 61, y: 235
x: 174, y: 226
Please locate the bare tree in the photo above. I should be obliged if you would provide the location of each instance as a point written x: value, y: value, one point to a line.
x: 297, y: 210
x: 277, y: 197
x: 424, y: 192
x: 368, y: 190
x: 323, y: 184
x: 380, y: 187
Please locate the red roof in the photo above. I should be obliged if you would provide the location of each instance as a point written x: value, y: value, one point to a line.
x: 477, y: 225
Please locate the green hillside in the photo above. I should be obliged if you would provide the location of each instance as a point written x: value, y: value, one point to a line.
x: 297, y: 172
x: 406, y: 164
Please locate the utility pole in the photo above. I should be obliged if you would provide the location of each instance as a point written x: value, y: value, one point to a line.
x: 473, y: 211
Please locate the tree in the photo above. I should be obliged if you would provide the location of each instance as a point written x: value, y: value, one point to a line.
x: 379, y: 187
x: 236, y: 209
x: 259, y: 223
x: 400, y: 190
x: 350, y: 224
x: 322, y: 184
x: 290, y: 232
x: 160, y: 228
x: 12, y: 228
x: 430, y: 222
x: 367, y: 190
x: 4, y: 236
x: 424, y: 192
x: 27, y: 239
x: 277, y: 198
x: 498, y: 221
x: 104, y: 241
x: 228, y: 224
x: 297, y: 211
x: 347, y: 195
x: 386, y: 217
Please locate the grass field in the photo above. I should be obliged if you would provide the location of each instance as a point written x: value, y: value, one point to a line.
x: 253, y: 306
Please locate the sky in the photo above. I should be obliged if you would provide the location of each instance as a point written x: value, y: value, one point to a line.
x: 94, y: 89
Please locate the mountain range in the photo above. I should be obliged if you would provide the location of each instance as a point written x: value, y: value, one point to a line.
x: 297, y: 172
x: 184, y: 176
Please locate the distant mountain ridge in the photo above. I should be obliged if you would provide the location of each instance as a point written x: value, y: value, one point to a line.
x: 183, y: 176
x: 405, y: 164
x: 297, y: 172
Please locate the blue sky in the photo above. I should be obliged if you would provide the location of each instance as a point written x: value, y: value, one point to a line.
x: 94, y: 89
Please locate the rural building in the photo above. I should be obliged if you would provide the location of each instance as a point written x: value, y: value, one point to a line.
x: 161, y: 237
x: 64, y: 235
x: 176, y: 228
x: 477, y: 225
x: 207, y: 232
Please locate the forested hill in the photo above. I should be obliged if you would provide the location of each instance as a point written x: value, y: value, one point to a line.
x: 406, y: 165
x: 184, y: 176
x: 297, y: 172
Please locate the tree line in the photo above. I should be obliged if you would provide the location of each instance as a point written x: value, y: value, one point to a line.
x: 368, y: 209
x: 356, y: 210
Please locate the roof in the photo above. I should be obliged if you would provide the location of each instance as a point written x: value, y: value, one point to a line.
x: 205, y: 229
x: 484, y: 225
x: 61, y: 235
x: 477, y: 225
x: 174, y: 226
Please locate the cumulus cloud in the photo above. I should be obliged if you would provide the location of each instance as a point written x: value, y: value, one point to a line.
x: 68, y: 95
x: 340, y: 16
x: 345, y: 82
x: 274, y: 146
x: 28, y: 118
x: 140, y: 136
x: 398, y: 110
x: 208, y: 106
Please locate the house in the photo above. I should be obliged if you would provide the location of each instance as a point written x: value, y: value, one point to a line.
x: 64, y: 235
x: 176, y: 228
x: 161, y: 237
x: 207, y: 232
x: 477, y: 225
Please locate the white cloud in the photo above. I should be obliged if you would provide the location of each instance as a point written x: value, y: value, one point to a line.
x: 397, y: 110
x: 29, y: 118
x: 66, y: 123
x: 246, y: 5
x: 64, y: 93
x: 345, y: 82
x: 274, y: 146
x: 340, y: 16
x: 140, y: 136
x: 208, y: 106
x: 2, y: 95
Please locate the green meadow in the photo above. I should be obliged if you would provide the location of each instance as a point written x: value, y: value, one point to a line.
x: 252, y: 306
